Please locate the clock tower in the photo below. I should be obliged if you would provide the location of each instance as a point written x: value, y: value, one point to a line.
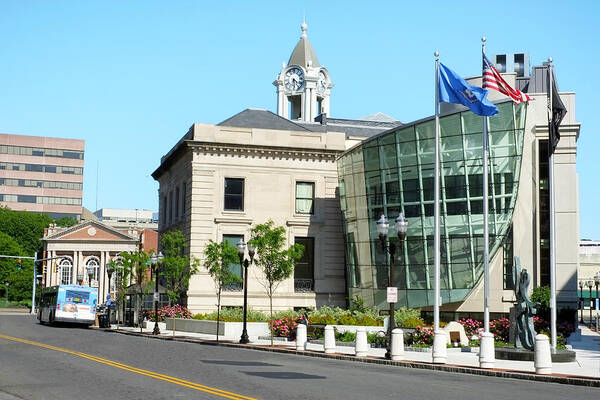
x: 303, y: 85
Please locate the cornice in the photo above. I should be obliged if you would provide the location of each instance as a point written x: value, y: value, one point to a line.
x: 258, y: 151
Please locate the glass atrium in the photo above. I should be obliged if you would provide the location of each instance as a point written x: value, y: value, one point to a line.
x: 394, y: 172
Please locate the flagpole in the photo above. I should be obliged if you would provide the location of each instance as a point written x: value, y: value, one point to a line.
x: 439, y: 337
x: 486, y: 346
x: 436, y: 207
x: 486, y: 254
x: 552, y: 210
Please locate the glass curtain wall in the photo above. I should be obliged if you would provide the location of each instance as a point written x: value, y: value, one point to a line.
x: 394, y: 172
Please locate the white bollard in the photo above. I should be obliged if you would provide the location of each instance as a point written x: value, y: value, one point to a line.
x: 487, y: 355
x: 439, y: 347
x: 329, y: 340
x: 542, y: 358
x: 397, y: 346
x: 301, y: 337
x: 362, y: 346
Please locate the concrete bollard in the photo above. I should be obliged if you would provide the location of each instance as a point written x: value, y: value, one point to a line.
x: 329, y: 340
x: 439, y: 347
x: 362, y: 346
x: 301, y: 337
x: 542, y: 358
x: 487, y: 355
x: 397, y: 346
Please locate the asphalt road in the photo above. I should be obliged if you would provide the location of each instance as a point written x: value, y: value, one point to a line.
x: 91, y: 364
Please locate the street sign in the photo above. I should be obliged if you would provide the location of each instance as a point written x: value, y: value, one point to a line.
x: 392, y: 294
x: 156, y: 296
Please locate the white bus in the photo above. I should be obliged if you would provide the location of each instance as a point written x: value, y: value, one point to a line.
x: 68, y: 303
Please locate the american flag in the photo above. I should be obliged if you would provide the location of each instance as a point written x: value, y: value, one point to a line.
x: 493, y: 80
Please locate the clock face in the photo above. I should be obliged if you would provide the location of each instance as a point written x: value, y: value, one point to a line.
x: 294, y: 79
x: 322, y: 83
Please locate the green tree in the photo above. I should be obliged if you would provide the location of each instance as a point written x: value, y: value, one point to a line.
x: 66, y: 222
x: 120, y: 277
x: 19, y: 280
x: 177, y: 268
x: 26, y: 228
x: 137, y: 265
x: 217, y: 257
x: 275, y: 261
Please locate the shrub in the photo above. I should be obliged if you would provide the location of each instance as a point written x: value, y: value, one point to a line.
x: 471, y: 326
x: 199, y: 316
x: 347, y: 320
x: 357, y: 304
x: 423, y: 336
x: 236, y: 314
x: 345, y: 336
x: 324, y: 320
x: 541, y: 295
x: 151, y: 316
x: 284, y: 327
x: 500, y: 329
x: 412, y: 323
x: 540, y: 325
x: 404, y: 314
x: 367, y: 320
x: 175, y: 311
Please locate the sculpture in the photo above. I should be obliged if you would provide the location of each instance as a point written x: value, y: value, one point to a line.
x: 525, y: 308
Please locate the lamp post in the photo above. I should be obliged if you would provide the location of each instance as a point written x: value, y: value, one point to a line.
x: 110, y: 268
x: 597, y: 282
x: 244, y: 263
x: 581, y: 301
x: 383, y: 228
x: 7, y: 285
x: 590, y: 283
x: 155, y: 261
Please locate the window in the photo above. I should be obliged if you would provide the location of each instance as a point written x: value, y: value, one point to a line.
x: 183, y: 189
x: 66, y: 271
x: 92, y: 263
x: 304, y: 270
x: 305, y: 197
x: 177, y: 203
x: 236, y: 268
x: 234, y: 194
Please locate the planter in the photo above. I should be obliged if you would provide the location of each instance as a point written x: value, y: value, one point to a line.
x: 226, y: 329
x: 162, y: 326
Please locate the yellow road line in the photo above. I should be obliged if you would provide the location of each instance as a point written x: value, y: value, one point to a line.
x: 136, y: 370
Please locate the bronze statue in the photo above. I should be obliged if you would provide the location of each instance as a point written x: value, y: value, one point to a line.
x: 525, y: 308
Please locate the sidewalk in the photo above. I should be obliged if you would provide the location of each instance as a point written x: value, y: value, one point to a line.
x: 585, y: 342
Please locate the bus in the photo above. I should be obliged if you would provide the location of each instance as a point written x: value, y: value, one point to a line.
x: 68, y: 303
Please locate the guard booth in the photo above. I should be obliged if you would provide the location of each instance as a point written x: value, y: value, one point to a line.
x: 131, y: 310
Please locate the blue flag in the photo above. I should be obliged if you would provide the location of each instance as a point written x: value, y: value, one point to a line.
x: 454, y: 89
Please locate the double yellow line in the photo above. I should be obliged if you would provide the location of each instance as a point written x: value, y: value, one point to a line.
x: 155, y: 375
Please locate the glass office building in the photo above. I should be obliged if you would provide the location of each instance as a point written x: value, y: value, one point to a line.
x: 394, y: 172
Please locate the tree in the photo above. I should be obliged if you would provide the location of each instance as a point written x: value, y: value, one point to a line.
x: 19, y: 280
x: 120, y: 278
x: 275, y: 262
x: 66, y: 222
x: 217, y: 257
x: 137, y: 265
x: 177, y: 269
x: 26, y: 228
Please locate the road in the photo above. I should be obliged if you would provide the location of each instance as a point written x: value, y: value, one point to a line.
x: 44, y: 362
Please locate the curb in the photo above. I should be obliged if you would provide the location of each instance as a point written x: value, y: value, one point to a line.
x: 495, y: 372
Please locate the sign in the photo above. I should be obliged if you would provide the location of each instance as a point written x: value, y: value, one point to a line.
x: 156, y: 296
x: 392, y: 294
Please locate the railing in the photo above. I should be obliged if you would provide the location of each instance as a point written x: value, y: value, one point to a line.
x: 304, y: 285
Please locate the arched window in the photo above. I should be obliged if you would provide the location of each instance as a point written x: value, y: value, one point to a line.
x: 92, y: 263
x: 66, y: 270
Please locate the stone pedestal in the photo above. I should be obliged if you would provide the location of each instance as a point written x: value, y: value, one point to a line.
x: 397, y: 345
x: 542, y: 357
x: 361, y: 345
x: 486, y: 351
x: 439, y: 347
x: 301, y: 337
x: 329, y: 340
x: 512, y: 331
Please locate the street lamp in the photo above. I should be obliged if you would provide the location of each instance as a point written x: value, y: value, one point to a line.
x: 597, y: 282
x: 581, y: 302
x: 7, y: 285
x: 110, y: 268
x: 155, y: 261
x: 590, y: 283
x: 241, y: 246
x: 401, y: 226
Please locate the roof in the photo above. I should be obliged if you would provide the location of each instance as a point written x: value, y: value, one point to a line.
x: 261, y: 119
x: 304, y: 52
x: 351, y: 127
x: 379, y: 117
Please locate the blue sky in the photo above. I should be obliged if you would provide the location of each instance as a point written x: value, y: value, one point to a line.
x: 130, y: 77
